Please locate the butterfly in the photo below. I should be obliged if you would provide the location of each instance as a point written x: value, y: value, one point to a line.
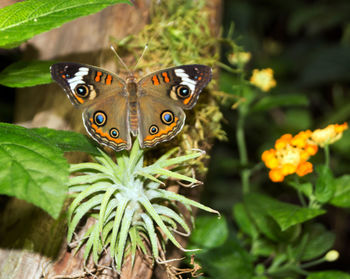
x: 113, y: 108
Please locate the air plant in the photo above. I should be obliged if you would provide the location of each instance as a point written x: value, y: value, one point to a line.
x: 130, y: 203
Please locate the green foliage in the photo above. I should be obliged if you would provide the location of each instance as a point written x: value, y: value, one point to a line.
x: 24, y: 74
x: 21, y: 21
x: 33, y: 166
x: 324, y: 184
x: 286, y: 215
x: 212, y: 232
x: 68, y: 141
x: 221, y: 256
x: 269, y: 102
x: 341, y: 196
x: 284, y: 238
x: 330, y: 274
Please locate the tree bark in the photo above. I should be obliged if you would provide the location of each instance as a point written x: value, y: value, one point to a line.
x: 32, y: 244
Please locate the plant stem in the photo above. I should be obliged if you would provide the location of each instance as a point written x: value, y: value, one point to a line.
x: 242, y: 149
x: 312, y: 263
x: 326, y: 152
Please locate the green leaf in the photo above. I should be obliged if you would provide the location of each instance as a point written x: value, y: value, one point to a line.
x: 229, y: 260
x: 329, y: 274
x: 305, y: 188
x: 23, y: 20
x: 285, y: 214
x: 243, y: 220
x: 341, y: 196
x: 263, y: 247
x: 325, y: 184
x: 23, y: 74
x: 269, y: 102
x: 209, y: 232
x: 256, y: 208
x: 318, y: 242
x: 68, y: 141
x: 32, y: 168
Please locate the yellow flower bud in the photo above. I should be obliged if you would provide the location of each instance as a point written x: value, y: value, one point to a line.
x: 332, y: 256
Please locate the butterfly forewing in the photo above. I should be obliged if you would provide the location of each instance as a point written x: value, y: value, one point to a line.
x: 85, y: 84
x: 180, y: 85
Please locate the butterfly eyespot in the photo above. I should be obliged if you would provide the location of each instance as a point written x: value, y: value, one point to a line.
x: 167, y: 117
x: 183, y: 91
x: 100, y: 118
x: 114, y: 133
x: 153, y: 129
x: 82, y: 90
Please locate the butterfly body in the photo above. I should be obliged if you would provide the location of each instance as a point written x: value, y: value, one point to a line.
x: 151, y: 108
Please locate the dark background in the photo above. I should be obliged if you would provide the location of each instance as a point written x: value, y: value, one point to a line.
x: 307, y: 44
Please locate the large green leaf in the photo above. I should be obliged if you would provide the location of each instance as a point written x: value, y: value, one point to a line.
x: 23, y: 74
x: 285, y: 214
x: 68, y: 141
x: 32, y: 168
x: 329, y: 274
x: 23, y: 20
x: 341, y: 196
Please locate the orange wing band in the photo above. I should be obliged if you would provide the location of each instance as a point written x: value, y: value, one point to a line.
x: 98, y: 76
x: 109, y: 79
x: 162, y: 132
x: 155, y: 80
x: 105, y: 135
x: 165, y: 77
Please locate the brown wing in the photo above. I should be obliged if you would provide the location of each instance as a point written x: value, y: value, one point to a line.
x: 179, y: 85
x: 103, y: 96
x: 107, y: 121
x: 159, y: 120
x: 84, y: 83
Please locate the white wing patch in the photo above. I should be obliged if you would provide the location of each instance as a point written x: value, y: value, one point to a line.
x: 78, y: 78
x: 185, y: 80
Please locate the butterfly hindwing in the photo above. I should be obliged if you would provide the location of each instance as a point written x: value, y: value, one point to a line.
x: 165, y: 121
x: 107, y: 122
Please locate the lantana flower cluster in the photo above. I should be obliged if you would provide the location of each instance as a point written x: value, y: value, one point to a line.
x: 291, y: 153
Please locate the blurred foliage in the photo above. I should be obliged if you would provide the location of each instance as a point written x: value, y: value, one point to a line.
x: 307, y: 44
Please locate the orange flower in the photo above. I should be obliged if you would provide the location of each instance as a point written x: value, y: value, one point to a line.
x: 328, y: 135
x: 290, y: 156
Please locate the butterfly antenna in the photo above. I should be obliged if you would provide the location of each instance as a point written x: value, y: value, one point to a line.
x: 120, y: 60
x: 144, y: 50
